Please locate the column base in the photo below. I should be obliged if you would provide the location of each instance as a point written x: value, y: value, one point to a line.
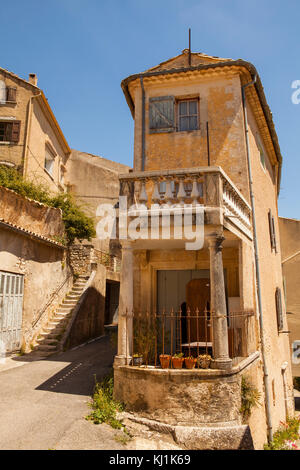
x: 223, y: 364
x: 122, y: 361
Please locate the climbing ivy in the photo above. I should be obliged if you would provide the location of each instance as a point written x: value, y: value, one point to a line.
x: 77, y: 224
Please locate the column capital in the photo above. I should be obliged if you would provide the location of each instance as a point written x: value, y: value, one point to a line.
x: 126, y: 244
x: 216, y: 239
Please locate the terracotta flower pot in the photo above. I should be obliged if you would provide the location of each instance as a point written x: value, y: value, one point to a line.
x: 190, y: 362
x: 204, y: 362
x: 137, y: 360
x: 177, y: 362
x: 165, y: 361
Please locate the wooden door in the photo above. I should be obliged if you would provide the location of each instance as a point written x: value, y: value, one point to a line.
x: 198, y: 297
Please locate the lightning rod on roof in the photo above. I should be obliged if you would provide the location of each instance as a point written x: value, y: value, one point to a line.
x: 190, y: 55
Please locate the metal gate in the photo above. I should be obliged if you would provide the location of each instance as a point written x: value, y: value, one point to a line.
x: 11, y: 304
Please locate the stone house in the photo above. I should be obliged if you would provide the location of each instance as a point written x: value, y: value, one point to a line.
x: 204, y: 136
x: 31, y: 139
x: 290, y: 253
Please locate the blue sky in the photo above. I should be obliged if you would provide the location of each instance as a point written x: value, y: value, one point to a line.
x: 82, y: 49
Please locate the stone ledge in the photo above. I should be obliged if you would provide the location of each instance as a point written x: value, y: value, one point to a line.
x: 192, y: 373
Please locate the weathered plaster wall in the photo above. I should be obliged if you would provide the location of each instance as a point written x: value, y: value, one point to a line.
x: 220, y: 106
x: 44, y: 269
x: 42, y: 133
x: 30, y: 215
x: 94, y: 180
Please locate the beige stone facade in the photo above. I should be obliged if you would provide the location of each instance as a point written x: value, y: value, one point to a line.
x: 30, y: 137
x: 290, y: 253
x: 204, y: 160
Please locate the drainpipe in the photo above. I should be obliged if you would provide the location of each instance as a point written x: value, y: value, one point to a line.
x: 143, y: 124
x: 258, y: 282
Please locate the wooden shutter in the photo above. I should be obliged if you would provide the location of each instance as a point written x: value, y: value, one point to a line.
x: 272, y: 231
x: 279, y: 310
x: 161, y: 114
x: 11, y: 94
x: 15, y: 132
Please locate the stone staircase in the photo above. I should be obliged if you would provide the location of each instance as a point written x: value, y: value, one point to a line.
x: 50, y: 337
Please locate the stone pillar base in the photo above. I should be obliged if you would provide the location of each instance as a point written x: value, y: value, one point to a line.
x: 222, y: 364
x: 122, y: 361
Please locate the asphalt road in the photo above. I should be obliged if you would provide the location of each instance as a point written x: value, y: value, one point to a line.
x: 41, y: 401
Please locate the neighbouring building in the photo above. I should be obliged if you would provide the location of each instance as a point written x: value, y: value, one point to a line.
x: 31, y: 139
x: 290, y: 254
x: 51, y: 296
x: 201, y: 123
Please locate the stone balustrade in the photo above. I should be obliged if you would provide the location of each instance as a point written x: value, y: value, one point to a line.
x: 209, y: 186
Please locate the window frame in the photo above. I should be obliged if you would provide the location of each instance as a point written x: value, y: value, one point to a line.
x: 183, y: 99
x: 52, y: 155
x: 13, y: 136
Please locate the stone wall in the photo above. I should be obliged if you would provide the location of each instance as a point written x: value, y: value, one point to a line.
x: 81, y: 257
x: 30, y: 215
x: 182, y: 397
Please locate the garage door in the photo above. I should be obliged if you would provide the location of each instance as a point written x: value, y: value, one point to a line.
x: 11, y: 304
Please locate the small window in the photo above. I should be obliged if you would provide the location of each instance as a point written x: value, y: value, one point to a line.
x: 10, y: 131
x: 272, y: 231
x: 188, y: 116
x: 2, y: 92
x: 49, y: 161
x: 279, y: 310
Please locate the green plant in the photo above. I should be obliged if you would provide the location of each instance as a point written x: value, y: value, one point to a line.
x: 297, y: 383
x: 178, y: 355
x: 77, y: 224
x: 144, y: 331
x: 104, y: 406
x: 123, y: 438
x: 250, y: 398
x: 285, y: 437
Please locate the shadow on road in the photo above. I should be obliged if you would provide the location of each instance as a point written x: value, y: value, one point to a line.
x: 88, y: 364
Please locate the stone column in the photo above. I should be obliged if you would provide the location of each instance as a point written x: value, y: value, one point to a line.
x: 218, y: 304
x: 125, y: 306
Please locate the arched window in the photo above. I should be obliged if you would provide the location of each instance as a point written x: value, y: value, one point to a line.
x: 2, y: 92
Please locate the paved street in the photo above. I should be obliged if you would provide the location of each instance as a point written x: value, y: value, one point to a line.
x: 43, y: 402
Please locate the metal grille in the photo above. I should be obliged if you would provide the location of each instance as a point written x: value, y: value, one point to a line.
x: 11, y: 304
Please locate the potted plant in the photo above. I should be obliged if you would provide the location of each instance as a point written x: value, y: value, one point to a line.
x: 177, y: 361
x: 165, y: 361
x: 190, y: 362
x: 137, y: 359
x: 203, y: 361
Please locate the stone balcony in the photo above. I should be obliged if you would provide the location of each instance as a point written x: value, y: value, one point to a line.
x: 209, y: 186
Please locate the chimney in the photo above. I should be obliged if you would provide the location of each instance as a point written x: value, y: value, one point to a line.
x: 33, y: 79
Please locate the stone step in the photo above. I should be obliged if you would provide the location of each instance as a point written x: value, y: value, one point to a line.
x: 64, y: 310
x: 73, y: 297
x: 46, y: 347
x: 68, y: 303
x: 48, y: 335
x: 47, y: 341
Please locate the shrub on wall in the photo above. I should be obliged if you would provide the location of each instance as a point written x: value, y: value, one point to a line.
x: 77, y: 224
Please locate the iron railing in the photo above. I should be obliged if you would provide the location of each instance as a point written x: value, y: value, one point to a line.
x: 182, y: 334
x: 113, y: 263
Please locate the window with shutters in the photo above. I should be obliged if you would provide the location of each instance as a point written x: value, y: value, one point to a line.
x: 161, y: 114
x: 261, y: 153
x: 279, y: 309
x: 7, y: 94
x: 272, y: 231
x: 10, y: 131
x: 49, y: 161
x: 188, y: 115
